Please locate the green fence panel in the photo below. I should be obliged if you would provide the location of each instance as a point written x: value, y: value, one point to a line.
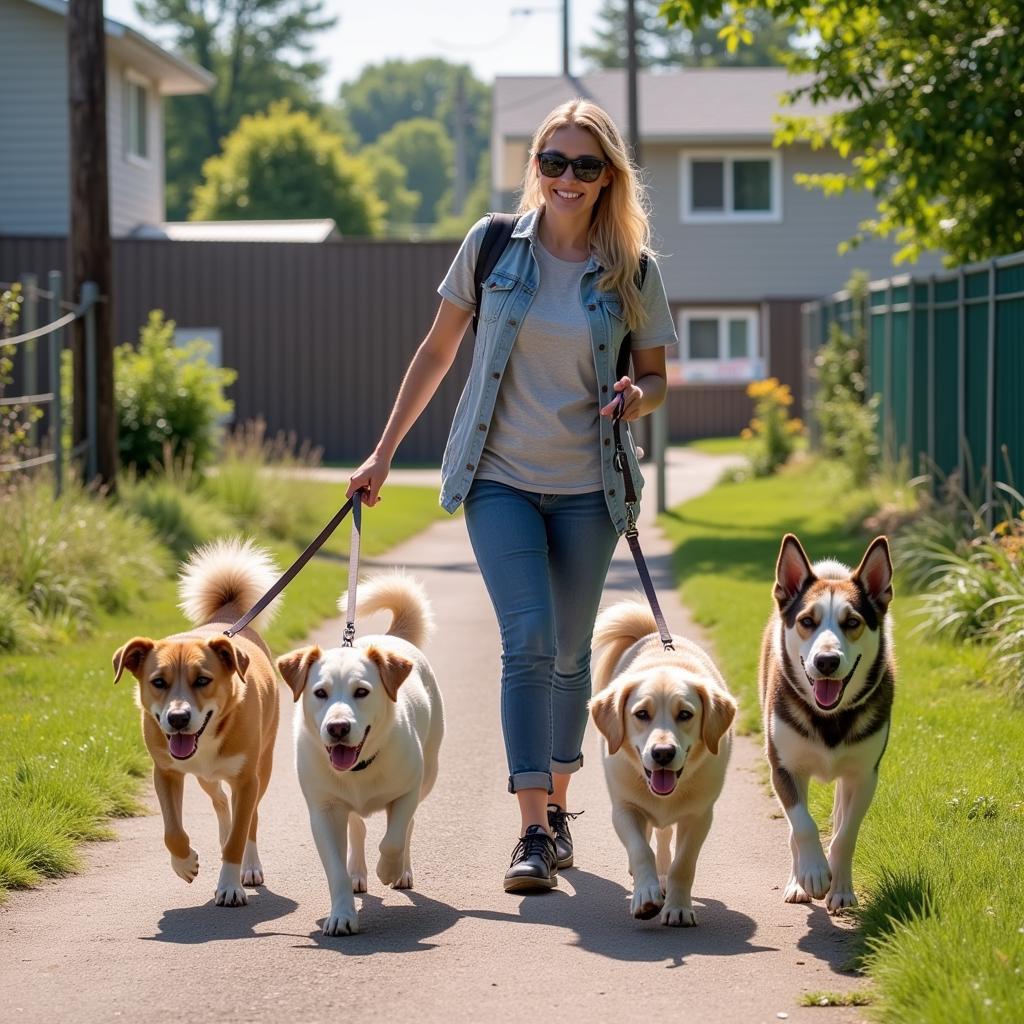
x: 946, y: 401
x: 920, y: 403
x: 975, y: 390
x: 1009, y: 412
x: 878, y: 363
x: 899, y: 383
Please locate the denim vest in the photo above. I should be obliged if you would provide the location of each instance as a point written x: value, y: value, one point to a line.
x: 506, y: 296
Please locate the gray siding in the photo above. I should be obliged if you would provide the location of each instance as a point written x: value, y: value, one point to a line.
x: 34, y: 177
x: 795, y: 258
x: 34, y: 160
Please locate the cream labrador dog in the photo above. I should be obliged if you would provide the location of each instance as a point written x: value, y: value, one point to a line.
x: 368, y: 727
x: 665, y: 716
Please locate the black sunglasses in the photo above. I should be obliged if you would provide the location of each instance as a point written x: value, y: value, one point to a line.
x: 552, y: 164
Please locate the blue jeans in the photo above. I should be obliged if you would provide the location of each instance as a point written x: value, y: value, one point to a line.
x: 544, y: 559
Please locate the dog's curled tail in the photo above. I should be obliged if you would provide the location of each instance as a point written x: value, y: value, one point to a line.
x: 233, y: 573
x: 412, y: 619
x: 616, y: 630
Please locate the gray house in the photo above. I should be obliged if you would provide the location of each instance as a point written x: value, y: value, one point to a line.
x: 35, y: 157
x: 743, y: 244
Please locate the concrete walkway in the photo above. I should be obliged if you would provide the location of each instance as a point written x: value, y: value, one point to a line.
x: 129, y: 940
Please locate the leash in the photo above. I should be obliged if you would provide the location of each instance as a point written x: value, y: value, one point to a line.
x: 632, y: 534
x: 293, y: 570
x: 353, y: 571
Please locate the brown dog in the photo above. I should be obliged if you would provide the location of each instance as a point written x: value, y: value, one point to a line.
x: 210, y: 709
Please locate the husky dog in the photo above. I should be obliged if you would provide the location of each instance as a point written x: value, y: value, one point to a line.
x: 826, y: 683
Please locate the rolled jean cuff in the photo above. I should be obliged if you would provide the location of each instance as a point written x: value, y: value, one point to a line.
x: 567, y: 767
x: 530, y: 780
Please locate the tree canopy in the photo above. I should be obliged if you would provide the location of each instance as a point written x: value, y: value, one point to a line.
x: 423, y: 148
x: 663, y: 45
x: 931, y: 99
x: 284, y: 164
x: 258, y: 49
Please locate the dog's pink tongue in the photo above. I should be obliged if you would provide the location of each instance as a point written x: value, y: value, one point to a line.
x: 826, y: 691
x: 343, y: 757
x: 182, y: 744
x: 663, y: 781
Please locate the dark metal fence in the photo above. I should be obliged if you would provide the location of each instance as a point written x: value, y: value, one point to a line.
x: 946, y: 355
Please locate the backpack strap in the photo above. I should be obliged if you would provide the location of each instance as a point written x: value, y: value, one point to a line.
x: 622, y: 366
x: 496, y: 238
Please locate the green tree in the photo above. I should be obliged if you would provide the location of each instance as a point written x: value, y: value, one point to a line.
x: 284, y: 164
x: 386, y: 94
x: 423, y: 148
x: 478, y: 202
x: 660, y: 44
x: 931, y: 112
x: 259, y: 51
x: 389, y: 180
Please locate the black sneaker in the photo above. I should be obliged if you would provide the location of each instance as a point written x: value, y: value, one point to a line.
x: 533, y: 867
x: 558, y: 822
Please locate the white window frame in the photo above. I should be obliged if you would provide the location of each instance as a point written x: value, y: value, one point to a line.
x: 723, y: 369
x: 132, y: 80
x: 729, y: 215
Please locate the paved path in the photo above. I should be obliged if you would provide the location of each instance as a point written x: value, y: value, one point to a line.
x: 127, y: 940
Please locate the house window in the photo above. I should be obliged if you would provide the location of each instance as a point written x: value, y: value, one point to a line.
x: 731, y: 187
x: 719, y: 345
x: 136, y: 118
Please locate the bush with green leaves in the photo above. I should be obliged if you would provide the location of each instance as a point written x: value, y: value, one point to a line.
x: 15, y: 420
x: 847, y: 416
x: 772, y: 430
x: 168, y: 395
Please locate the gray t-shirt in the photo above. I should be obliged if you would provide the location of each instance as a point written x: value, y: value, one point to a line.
x: 544, y: 434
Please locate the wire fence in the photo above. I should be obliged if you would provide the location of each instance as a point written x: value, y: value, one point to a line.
x: 47, y: 447
x: 946, y: 356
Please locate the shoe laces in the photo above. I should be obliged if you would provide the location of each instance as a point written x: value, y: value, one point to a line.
x: 535, y: 843
x: 559, y: 819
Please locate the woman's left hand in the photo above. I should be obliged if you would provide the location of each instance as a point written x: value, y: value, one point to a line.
x: 632, y: 396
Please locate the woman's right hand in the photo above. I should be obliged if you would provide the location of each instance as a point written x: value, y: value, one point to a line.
x: 369, y: 478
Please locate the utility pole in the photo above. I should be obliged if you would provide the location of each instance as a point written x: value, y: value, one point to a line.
x: 89, y: 238
x: 565, y: 38
x: 459, y: 185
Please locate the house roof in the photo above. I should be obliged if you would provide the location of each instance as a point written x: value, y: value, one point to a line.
x: 242, y: 231
x: 693, y: 104
x: 174, y: 75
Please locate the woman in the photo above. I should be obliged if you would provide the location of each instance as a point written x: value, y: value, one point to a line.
x: 531, y: 450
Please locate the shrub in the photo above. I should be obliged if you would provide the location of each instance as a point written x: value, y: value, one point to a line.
x: 15, y: 420
x: 846, y: 415
x: 771, y: 427
x: 168, y: 394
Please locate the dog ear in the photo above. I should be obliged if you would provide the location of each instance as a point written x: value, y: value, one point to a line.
x: 608, y: 709
x: 233, y: 658
x: 393, y: 669
x: 131, y: 656
x: 792, y: 571
x: 295, y: 665
x: 719, y: 711
x: 874, y: 573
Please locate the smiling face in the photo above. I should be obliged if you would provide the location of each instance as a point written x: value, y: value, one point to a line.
x: 566, y: 195
x: 658, y: 718
x: 183, y: 685
x: 348, y: 695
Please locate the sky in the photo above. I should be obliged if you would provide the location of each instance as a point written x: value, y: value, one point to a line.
x: 492, y: 36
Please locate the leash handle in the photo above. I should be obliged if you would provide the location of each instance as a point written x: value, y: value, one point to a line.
x: 293, y: 570
x: 353, y: 570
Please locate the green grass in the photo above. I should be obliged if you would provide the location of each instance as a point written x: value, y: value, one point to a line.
x: 835, y: 999
x: 939, y: 859
x: 71, y: 751
x: 721, y: 445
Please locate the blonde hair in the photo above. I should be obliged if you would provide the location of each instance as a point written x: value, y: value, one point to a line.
x: 619, y: 228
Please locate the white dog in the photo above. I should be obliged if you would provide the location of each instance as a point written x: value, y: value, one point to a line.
x: 367, y: 734
x: 665, y: 716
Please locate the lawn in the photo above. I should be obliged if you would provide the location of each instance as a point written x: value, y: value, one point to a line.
x: 939, y: 860
x: 71, y: 751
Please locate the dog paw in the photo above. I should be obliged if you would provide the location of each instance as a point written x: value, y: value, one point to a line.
x: 186, y: 867
x: 679, y: 917
x: 840, y: 898
x: 229, y: 887
x: 795, y: 893
x: 358, y: 880
x: 390, y: 869
x: 647, y: 900
x: 815, y: 878
x: 404, y: 880
x: 342, y: 921
x: 252, y: 869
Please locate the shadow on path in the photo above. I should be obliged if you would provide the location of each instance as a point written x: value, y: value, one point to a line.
x: 210, y: 923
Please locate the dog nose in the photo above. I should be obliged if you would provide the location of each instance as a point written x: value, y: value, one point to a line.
x: 663, y: 753
x: 339, y: 730
x: 826, y: 664
x: 178, y: 718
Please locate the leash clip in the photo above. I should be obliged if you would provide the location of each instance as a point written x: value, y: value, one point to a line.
x: 349, y: 635
x: 631, y: 530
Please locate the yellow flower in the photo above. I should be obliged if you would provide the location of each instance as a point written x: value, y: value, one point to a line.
x: 746, y: 433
